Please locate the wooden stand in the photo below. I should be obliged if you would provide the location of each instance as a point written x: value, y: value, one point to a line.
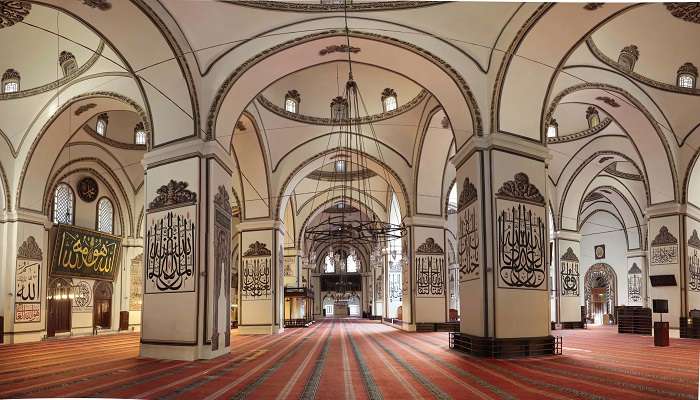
x: 661, y: 334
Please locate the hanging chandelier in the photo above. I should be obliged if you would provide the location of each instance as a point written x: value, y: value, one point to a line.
x: 352, y: 222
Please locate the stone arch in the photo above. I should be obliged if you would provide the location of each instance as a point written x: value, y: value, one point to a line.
x: 606, y: 273
x: 253, y: 75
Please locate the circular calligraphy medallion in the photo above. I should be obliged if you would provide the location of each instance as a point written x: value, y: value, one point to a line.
x: 599, y: 252
x: 87, y: 189
x: 82, y: 298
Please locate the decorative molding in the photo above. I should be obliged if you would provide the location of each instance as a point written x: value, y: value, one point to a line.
x: 389, y: 92
x: 294, y: 95
x: 12, y: 12
x: 648, y: 81
x: 445, y: 123
x: 174, y: 193
x: 221, y: 200
x: 634, y: 269
x: 664, y: 238
x: 694, y: 240
x: 102, y: 5
x: 689, y: 12
x: 521, y: 190
x: 257, y: 249
x: 569, y: 255
x: 10, y: 73
x: 612, y: 170
x: 594, y: 196
x: 342, y: 48
x: 60, y: 82
x: 582, y: 134
x: 272, y: 107
x: 688, y: 69
x: 467, y: 196
x: 84, y: 108
x: 609, y: 101
x: 30, y: 250
x: 228, y: 83
x: 241, y: 126
x: 604, y: 159
x: 114, y: 143
x: 332, y: 176
x: 429, y: 247
x: 593, y: 6
x: 329, y: 6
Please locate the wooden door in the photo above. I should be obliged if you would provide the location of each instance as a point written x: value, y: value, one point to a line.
x: 102, y: 309
x: 59, y: 316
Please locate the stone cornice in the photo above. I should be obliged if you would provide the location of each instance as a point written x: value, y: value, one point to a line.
x: 641, y: 78
x: 312, y: 120
x: 318, y: 7
x: 582, y: 134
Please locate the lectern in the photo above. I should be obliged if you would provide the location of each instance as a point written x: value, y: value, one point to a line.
x: 660, y: 328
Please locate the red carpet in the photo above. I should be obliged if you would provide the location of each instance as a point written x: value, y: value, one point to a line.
x: 351, y: 359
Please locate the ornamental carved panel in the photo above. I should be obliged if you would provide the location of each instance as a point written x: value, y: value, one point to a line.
x: 222, y: 265
x: 664, y: 248
x: 569, y: 267
x: 468, y: 233
x: 634, y: 284
x: 430, y: 269
x: 256, y: 281
x: 694, y: 262
x: 28, y: 282
x: 521, y: 235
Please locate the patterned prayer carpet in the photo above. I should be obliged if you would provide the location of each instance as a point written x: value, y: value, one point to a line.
x: 354, y: 359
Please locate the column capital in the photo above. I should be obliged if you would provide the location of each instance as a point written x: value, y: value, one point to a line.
x: 502, y: 141
x: 434, y: 221
x: 636, y: 253
x: 254, y: 225
x: 32, y: 217
x: 669, y: 208
x: 188, y: 148
x: 567, y: 235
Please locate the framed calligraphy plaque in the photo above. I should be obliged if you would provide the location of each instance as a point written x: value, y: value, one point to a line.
x: 664, y: 248
x: 79, y: 252
x: 27, y: 282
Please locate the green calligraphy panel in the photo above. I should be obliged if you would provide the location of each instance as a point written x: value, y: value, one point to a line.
x: 85, y: 253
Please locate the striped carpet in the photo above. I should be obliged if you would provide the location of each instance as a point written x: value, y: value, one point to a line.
x: 353, y: 359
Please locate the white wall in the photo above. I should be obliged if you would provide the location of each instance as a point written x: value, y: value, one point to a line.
x: 602, y: 228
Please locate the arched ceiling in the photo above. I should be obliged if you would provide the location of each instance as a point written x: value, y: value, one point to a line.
x: 319, y: 84
x: 661, y: 50
x: 27, y: 46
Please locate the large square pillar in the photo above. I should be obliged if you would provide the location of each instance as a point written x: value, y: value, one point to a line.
x: 503, y: 246
x: 186, y: 301
x: 567, y: 282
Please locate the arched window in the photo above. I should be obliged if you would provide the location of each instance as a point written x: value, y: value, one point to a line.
x: 687, y: 76
x: 628, y: 57
x: 10, y: 81
x: 101, y: 125
x: 389, y: 102
x: 553, y: 129
x: 329, y: 266
x: 339, y: 108
x: 105, y: 216
x: 592, y: 117
x: 291, y: 101
x: 351, y: 264
x: 339, y: 166
x: 63, y: 204
x: 452, y: 200
x: 139, y: 134
x: 67, y: 62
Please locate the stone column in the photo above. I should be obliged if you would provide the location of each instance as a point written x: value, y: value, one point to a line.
x: 665, y: 230
x: 186, y: 302
x: 502, y: 241
x: 24, y: 277
x: 567, y: 278
x: 428, y: 271
x: 262, y: 277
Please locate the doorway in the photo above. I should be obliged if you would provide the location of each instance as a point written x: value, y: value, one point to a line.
x: 59, y: 307
x: 600, y: 294
x: 102, y: 311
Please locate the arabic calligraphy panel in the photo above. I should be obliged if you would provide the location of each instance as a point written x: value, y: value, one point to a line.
x: 521, y: 235
x: 27, y: 288
x: 85, y: 253
x: 27, y: 312
x: 82, y: 301
x: 171, y: 242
